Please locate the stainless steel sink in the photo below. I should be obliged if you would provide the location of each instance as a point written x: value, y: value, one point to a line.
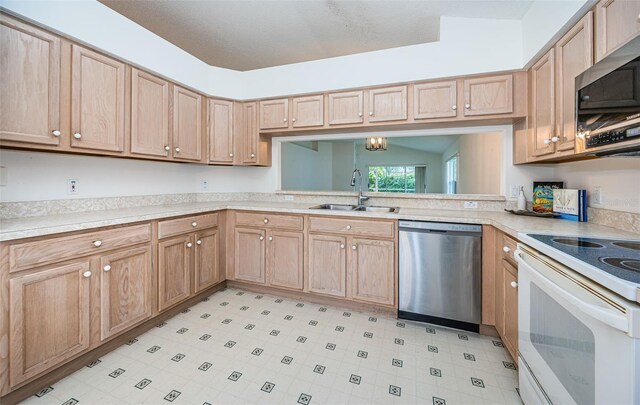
x: 344, y: 207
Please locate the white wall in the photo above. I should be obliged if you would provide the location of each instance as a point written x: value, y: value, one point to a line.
x: 343, y: 163
x: 306, y: 169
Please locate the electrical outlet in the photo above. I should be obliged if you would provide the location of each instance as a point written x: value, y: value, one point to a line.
x: 205, y: 185
x: 73, y: 186
x: 471, y: 204
x: 596, y: 195
x: 288, y: 198
x: 515, y: 190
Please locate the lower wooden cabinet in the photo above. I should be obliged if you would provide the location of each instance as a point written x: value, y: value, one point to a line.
x: 50, y: 318
x: 510, y: 294
x: 206, y: 268
x: 125, y: 290
x: 174, y: 270
x: 250, y: 255
x: 328, y: 265
x: 285, y: 259
x: 372, y: 264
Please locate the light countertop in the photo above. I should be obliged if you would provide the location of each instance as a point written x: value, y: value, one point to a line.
x: 18, y: 228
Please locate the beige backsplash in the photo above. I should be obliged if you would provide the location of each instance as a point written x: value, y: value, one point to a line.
x: 616, y: 219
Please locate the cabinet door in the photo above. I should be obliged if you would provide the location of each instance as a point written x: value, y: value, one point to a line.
x: 435, y: 100
x: 285, y: 259
x: 49, y: 315
x: 174, y: 270
x: 327, y: 265
x: 149, y: 114
x: 250, y: 255
x: 187, y: 124
x: 388, y: 104
x: 206, y: 266
x: 308, y: 111
x: 125, y: 290
x: 372, y: 265
x: 97, y: 101
x: 574, y: 54
x: 617, y: 21
x: 274, y: 114
x: 220, y: 126
x: 510, y: 335
x: 346, y: 107
x: 499, y: 292
x: 29, y: 84
x: 542, y: 106
x: 249, y: 136
x: 488, y: 95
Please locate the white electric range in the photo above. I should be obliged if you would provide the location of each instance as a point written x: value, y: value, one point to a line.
x: 578, y: 320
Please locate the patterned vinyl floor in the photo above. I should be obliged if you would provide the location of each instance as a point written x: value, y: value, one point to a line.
x: 237, y: 347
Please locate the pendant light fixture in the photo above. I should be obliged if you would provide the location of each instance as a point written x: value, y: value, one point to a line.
x: 376, y: 143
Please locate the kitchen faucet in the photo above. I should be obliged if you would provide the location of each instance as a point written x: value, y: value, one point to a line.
x: 361, y: 198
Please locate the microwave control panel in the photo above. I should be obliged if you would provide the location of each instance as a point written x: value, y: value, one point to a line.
x: 610, y: 137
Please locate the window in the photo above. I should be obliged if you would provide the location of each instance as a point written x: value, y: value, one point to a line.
x: 452, y: 174
x: 392, y: 179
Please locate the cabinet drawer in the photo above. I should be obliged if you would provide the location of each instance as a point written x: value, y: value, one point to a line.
x: 269, y: 220
x: 508, y: 247
x: 381, y: 229
x: 183, y: 225
x: 31, y: 254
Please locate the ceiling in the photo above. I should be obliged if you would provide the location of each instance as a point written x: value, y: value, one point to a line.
x: 253, y: 34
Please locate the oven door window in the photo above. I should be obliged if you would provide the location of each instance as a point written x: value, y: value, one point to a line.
x: 565, y: 344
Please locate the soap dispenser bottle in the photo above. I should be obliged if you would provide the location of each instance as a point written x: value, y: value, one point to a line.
x: 522, y: 201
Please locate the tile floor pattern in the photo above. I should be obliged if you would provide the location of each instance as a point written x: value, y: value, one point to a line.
x: 237, y: 347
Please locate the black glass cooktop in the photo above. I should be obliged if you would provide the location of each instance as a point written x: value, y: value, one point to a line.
x: 620, y: 258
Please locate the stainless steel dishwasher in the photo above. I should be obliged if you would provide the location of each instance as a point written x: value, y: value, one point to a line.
x: 440, y: 273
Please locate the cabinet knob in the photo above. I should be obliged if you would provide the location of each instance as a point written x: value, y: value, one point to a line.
x: 97, y: 243
x: 284, y: 120
x: 189, y: 244
x: 107, y: 267
x: 547, y: 141
x: 266, y: 221
x: 230, y: 154
x: 55, y: 133
x: 86, y: 274
x: 348, y: 226
x: 270, y: 238
x: 342, y: 246
x: 454, y: 107
x: 77, y: 135
x: 359, y: 114
x: 194, y: 224
x: 198, y: 242
x: 514, y: 284
x: 253, y: 155
x: 354, y: 247
x: 506, y: 249
x: 177, y: 150
x: 555, y: 139
x: 293, y: 119
x: 167, y: 148
x: 371, y: 113
x: 262, y: 238
x: 467, y: 106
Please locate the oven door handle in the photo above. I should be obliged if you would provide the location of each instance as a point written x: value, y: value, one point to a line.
x: 609, y: 317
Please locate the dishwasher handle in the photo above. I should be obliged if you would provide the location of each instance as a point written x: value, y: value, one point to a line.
x: 439, y: 227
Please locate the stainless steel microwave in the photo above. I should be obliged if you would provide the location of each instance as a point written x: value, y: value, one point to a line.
x: 608, y: 104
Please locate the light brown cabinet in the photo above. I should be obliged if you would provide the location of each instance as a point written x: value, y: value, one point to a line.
x: 387, y: 104
x: 488, y: 95
x: 274, y: 114
x: 327, y: 272
x: 29, y: 84
x: 174, y: 270
x: 435, y: 100
x: 125, y: 290
x: 372, y: 264
x: 250, y: 255
x: 617, y: 21
x: 506, y: 292
x: 346, y: 107
x: 542, y: 106
x: 206, y: 267
x: 285, y: 259
x: 253, y: 148
x: 149, y: 114
x: 220, y: 126
x: 307, y: 111
x: 187, y: 124
x: 50, y: 318
x: 97, y: 101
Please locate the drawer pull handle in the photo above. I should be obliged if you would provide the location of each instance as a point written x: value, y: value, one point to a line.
x: 266, y: 221
x: 253, y: 155
x: 270, y: 238
x: 107, y: 267
x: 284, y: 120
x: 77, y: 135
x: 177, y: 150
x: 354, y: 247
x: 360, y: 114
x: 342, y: 246
x: 348, y: 226
x: 97, y: 243
x: 189, y: 244
x: 467, y: 106
x: 514, y: 284
x: 194, y: 224
x: 198, y: 242
x: 506, y: 249
x: 167, y: 148
x: 453, y: 107
x: 86, y: 274
x: 230, y: 154
x: 262, y: 238
x: 56, y: 133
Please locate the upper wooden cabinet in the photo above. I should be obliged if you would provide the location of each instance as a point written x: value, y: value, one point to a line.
x: 50, y: 319
x: 327, y: 272
x: 435, y: 100
x: 387, y: 104
x: 252, y: 148
x: 274, y: 113
x: 346, y: 108
x: 372, y: 267
x: 617, y: 21
x: 97, y: 101
x: 220, y: 126
x: 29, y: 84
x: 542, y: 105
x: 149, y: 114
x: 307, y: 111
x: 488, y: 95
x: 573, y: 55
x: 187, y: 124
